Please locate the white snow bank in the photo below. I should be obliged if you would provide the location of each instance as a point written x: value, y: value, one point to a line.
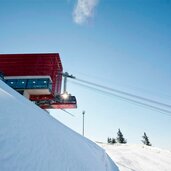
x: 139, y: 157
x: 31, y: 140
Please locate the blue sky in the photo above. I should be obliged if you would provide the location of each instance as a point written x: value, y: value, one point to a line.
x: 120, y: 44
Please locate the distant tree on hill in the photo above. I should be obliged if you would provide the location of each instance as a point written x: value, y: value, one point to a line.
x: 146, y: 140
x: 120, y: 138
x: 109, y: 140
x: 113, y: 141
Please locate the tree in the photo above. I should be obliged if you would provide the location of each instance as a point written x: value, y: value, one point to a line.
x: 109, y: 140
x: 146, y: 140
x: 113, y: 141
x: 120, y: 138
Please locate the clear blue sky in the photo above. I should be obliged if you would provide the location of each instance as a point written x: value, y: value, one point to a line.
x: 120, y: 44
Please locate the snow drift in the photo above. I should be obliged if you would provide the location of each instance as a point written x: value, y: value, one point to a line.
x: 31, y: 140
x: 139, y: 157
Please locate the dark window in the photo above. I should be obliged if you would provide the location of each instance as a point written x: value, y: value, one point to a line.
x: 12, y: 83
x: 21, y: 84
x: 42, y: 83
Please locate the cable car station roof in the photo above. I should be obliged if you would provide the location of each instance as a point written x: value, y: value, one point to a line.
x: 45, y: 64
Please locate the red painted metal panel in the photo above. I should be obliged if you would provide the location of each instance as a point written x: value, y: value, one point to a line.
x: 41, y: 97
x: 33, y: 65
x: 59, y: 106
x: 64, y: 106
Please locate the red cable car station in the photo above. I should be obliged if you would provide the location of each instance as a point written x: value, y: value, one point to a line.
x: 38, y: 77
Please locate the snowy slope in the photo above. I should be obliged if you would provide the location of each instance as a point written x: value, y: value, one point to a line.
x: 139, y: 157
x: 31, y: 140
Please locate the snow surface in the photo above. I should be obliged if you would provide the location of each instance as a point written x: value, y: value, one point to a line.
x: 138, y: 157
x: 31, y: 140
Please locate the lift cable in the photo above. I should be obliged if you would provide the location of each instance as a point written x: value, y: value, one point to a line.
x: 124, y: 93
x: 135, y: 101
x: 68, y: 112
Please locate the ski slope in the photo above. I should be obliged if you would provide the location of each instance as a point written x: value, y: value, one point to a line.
x: 31, y: 140
x: 139, y: 157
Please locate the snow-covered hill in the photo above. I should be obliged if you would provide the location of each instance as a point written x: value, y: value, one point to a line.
x: 31, y: 140
x: 139, y: 157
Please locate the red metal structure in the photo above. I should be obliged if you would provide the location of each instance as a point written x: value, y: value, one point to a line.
x: 38, y: 77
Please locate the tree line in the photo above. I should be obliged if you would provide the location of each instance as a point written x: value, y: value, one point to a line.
x: 120, y: 139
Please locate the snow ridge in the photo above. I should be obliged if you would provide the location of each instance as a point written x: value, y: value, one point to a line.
x: 32, y: 140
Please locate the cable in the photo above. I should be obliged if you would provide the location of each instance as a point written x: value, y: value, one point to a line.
x: 124, y: 93
x: 152, y: 107
x: 68, y: 112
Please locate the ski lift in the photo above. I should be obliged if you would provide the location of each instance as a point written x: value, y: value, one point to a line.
x: 64, y: 100
x: 38, y: 77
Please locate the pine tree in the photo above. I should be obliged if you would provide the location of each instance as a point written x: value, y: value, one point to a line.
x: 113, y: 141
x: 146, y: 140
x: 120, y: 138
x: 109, y: 140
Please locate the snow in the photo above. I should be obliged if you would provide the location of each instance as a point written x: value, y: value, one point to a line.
x: 138, y: 157
x: 31, y: 140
